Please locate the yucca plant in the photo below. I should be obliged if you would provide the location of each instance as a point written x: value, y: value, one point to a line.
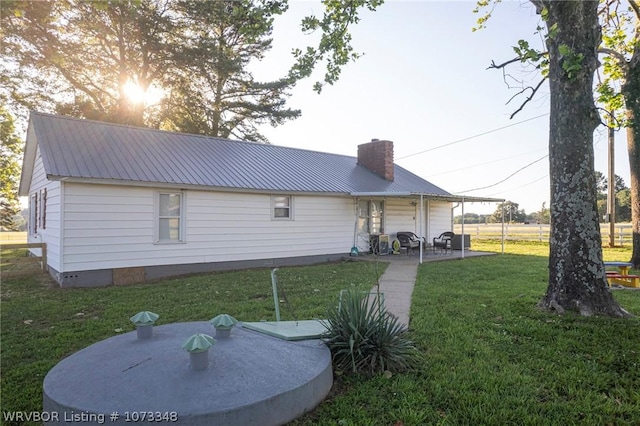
x: 365, y: 338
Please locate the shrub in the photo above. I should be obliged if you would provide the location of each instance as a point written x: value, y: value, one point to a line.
x: 365, y: 338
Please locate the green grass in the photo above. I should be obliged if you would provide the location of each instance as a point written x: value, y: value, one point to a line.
x: 490, y: 356
x: 493, y: 358
x: 42, y: 324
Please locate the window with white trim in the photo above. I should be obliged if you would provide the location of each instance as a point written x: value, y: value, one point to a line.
x: 170, y: 217
x: 43, y: 208
x: 371, y: 216
x: 33, y: 214
x: 281, y: 207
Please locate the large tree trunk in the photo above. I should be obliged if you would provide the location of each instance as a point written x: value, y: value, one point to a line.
x: 577, y: 280
x: 634, y: 166
x: 631, y: 92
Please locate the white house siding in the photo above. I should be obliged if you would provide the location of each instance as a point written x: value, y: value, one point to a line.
x: 439, y: 218
x: 50, y: 234
x: 401, y: 216
x: 113, y: 227
x: 232, y: 226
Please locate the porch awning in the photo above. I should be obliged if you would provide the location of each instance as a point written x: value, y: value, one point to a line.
x: 450, y: 197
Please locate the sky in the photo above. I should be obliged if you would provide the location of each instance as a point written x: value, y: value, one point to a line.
x: 423, y: 83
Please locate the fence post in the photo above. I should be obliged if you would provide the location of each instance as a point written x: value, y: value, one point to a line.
x: 45, y: 267
x: 620, y: 231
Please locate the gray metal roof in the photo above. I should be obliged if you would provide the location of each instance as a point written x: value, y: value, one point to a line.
x: 76, y: 149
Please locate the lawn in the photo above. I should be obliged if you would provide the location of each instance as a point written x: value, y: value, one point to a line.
x: 490, y: 356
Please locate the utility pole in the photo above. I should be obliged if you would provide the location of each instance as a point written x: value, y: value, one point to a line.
x: 611, y: 187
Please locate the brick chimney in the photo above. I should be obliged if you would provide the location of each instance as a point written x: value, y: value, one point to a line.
x: 377, y: 156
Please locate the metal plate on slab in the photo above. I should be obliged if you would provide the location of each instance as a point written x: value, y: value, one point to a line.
x: 290, y: 330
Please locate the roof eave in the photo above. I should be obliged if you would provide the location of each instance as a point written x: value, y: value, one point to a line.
x: 28, y: 161
x: 182, y: 186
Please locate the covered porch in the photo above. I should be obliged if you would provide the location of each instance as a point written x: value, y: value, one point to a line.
x: 380, y: 216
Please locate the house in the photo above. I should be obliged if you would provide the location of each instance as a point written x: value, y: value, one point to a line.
x: 118, y: 204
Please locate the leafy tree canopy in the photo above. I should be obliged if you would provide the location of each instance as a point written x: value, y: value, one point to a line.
x: 10, y: 153
x: 84, y: 59
x: 510, y: 212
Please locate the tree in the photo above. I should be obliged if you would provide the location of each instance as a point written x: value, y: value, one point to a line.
x: 10, y: 152
x: 470, y: 218
x: 603, y: 185
x: 82, y: 58
x: 577, y: 280
x: 542, y: 216
x: 76, y: 58
x: 622, y: 197
x: 618, y: 92
x: 623, y: 205
x: 216, y: 95
x: 509, y: 212
x: 334, y: 45
x: 621, y: 45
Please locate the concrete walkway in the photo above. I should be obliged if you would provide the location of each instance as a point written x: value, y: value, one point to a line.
x: 397, y: 284
x: 398, y: 280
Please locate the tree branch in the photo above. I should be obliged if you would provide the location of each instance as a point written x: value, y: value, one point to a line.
x: 529, y: 98
x: 635, y: 5
x: 502, y: 65
x: 617, y: 123
x: 622, y: 61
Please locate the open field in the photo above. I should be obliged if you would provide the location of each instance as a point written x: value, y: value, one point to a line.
x: 535, y: 232
x: 490, y: 356
x: 13, y: 237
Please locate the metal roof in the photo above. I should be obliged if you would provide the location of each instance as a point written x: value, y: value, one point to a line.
x: 84, y: 150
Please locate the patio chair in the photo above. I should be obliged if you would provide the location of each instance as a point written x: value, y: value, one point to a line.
x: 413, y: 237
x: 443, y: 242
x: 408, y: 240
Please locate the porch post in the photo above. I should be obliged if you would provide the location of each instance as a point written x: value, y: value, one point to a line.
x: 462, y: 237
x: 421, y: 226
x: 502, y: 238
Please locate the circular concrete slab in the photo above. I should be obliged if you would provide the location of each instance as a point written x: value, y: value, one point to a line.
x: 251, y: 379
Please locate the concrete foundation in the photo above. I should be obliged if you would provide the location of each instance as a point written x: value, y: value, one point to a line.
x: 124, y: 276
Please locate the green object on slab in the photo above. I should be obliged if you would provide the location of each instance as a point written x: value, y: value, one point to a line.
x: 223, y: 322
x: 198, y: 343
x: 290, y: 330
x: 144, y: 318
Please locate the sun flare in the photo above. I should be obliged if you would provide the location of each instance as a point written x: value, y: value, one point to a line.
x: 138, y: 95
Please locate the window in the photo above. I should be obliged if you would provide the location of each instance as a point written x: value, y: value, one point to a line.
x: 33, y: 214
x: 371, y: 217
x: 170, y: 224
x: 377, y: 217
x: 43, y: 208
x: 363, y: 217
x: 281, y: 207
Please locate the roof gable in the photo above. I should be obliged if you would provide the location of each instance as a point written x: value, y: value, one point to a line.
x: 78, y: 149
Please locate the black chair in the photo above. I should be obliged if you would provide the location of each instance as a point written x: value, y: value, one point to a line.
x: 408, y: 240
x: 443, y: 241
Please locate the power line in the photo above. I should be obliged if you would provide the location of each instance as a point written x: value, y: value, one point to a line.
x: 518, y: 187
x: 471, y: 137
x: 508, y: 177
x: 483, y: 164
